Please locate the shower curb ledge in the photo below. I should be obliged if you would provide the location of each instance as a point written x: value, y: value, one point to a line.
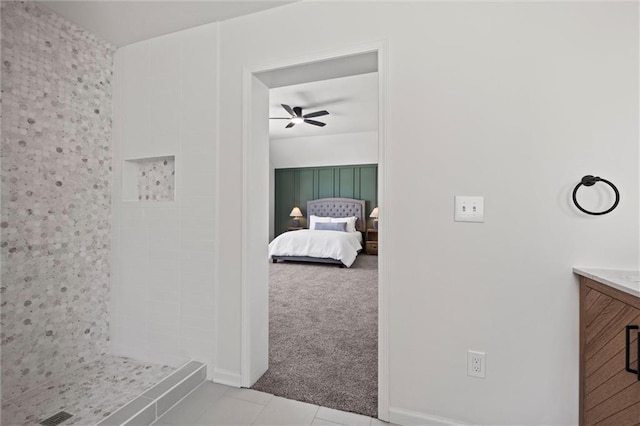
x: 148, y: 407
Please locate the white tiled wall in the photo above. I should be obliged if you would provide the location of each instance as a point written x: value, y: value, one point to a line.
x: 164, y: 251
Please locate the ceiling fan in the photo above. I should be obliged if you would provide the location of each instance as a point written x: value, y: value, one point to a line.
x: 297, y: 117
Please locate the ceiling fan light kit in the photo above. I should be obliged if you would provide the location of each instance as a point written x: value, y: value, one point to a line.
x: 296, y: 116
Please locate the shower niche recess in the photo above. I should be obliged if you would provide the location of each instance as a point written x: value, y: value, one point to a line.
x: 150, y: 179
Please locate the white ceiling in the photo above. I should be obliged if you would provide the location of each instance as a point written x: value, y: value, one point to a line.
x: 352, y: 103
x: 126, y: 22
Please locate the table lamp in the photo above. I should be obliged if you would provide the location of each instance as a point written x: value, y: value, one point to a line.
x: 296, y: 214
x: 374, y: 215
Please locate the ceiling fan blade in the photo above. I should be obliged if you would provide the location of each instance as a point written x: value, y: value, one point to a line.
x: 297, y: 111
x: 316, y: 114
x: 315, y: 123
x: 279, y: 118
x: 290, y: 125
x: 288, y: 109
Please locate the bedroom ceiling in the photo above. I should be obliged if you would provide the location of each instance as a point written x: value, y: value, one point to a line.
x: 126, y: 22
x: 352, y: 103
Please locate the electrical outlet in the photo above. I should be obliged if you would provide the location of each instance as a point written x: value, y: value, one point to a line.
x: 468, y: 209
x: 476, y: 364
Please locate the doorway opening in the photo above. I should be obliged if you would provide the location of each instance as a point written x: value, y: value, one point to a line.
x: 328, y: 335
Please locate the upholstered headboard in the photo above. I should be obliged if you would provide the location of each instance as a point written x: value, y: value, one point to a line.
x: 338, y: 207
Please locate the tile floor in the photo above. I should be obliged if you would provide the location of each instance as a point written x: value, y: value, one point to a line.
x: 215, y: 404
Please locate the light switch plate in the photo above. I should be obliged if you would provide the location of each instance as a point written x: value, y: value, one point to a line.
x: 469, y: 209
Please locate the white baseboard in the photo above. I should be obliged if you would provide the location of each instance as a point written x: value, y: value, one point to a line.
x: 226, y: 377
x: 406, y: 417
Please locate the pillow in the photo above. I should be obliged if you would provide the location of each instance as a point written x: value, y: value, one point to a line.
x: 325, y: 226
x: 350, y: 221
x: 315, y: 219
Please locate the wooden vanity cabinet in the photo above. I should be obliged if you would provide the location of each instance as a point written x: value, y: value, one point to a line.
x: 609, y: 393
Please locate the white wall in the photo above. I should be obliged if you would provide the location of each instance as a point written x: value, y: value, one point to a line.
x: 328, y: 150
x: 272, y: 199
x: 513, y: 101
x: 255, y: 201
x: 164, y: 252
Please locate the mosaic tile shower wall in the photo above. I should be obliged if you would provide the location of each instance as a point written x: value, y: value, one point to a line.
x: 156, y: 179
x: 56, y: 196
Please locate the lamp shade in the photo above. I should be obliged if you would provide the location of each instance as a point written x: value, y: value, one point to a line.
x: 374, y: 213
x: 295, y: 212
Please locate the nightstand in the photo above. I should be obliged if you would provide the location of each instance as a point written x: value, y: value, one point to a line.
x: 294, y: 228
x: 371, y: 241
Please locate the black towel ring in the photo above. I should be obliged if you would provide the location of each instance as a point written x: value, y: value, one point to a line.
x: 589, y: 180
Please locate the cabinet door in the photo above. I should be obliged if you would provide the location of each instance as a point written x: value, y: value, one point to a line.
x: 611, y: 394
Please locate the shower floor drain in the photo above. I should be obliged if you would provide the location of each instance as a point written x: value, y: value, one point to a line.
x: 56, y: 419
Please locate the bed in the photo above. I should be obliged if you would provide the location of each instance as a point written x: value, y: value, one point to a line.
x: 323, y: 246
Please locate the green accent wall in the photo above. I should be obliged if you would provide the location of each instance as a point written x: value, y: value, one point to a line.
x: 294, y: 187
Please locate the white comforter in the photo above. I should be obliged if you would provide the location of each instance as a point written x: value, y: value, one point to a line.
x: 339, y: 245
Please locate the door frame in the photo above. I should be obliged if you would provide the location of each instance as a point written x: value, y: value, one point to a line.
x: 247, y: 178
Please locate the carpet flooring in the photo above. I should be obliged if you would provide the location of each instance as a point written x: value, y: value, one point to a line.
x: 323, y: 334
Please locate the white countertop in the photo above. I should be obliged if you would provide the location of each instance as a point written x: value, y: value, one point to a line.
x: 627, y: 281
